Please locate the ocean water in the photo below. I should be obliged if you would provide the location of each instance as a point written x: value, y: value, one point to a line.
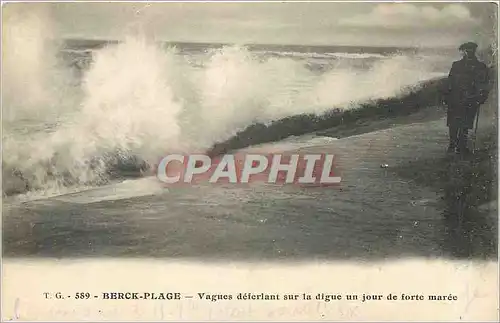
x: 72, y: 108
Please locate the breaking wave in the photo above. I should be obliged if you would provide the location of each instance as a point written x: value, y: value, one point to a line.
x: 136, y: 101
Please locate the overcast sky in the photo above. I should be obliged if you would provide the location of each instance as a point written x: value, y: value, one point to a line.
x: 385, y: 24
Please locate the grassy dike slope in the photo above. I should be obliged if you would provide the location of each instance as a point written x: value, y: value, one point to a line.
x: 415, y: 105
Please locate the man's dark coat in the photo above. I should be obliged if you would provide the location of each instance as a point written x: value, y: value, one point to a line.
x: 467, y: 89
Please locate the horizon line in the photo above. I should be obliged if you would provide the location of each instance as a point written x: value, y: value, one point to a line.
x: 75, y: 38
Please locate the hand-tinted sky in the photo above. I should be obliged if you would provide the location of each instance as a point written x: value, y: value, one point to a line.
x: 392, y: 24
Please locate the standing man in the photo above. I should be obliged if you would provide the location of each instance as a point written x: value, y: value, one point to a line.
x: 467, y: 89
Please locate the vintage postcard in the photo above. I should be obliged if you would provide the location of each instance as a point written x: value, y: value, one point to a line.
x: 258, y: 160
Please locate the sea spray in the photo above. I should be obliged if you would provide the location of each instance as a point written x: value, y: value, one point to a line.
x: 238, y: 89
x: 35, y: 92
x: 34, y: 84
x: 139, y: 101
x: 129, y: 102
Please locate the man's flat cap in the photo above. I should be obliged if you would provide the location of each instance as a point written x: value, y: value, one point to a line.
x: 468, y: 45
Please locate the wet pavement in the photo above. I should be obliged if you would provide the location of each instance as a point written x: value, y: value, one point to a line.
x: 376, y: 213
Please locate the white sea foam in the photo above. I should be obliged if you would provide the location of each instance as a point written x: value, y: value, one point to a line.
x: 140, y: 98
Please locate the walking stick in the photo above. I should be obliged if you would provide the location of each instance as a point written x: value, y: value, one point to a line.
x: 475, y: 130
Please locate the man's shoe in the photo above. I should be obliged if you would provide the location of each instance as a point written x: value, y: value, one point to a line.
x: 451, y: 149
